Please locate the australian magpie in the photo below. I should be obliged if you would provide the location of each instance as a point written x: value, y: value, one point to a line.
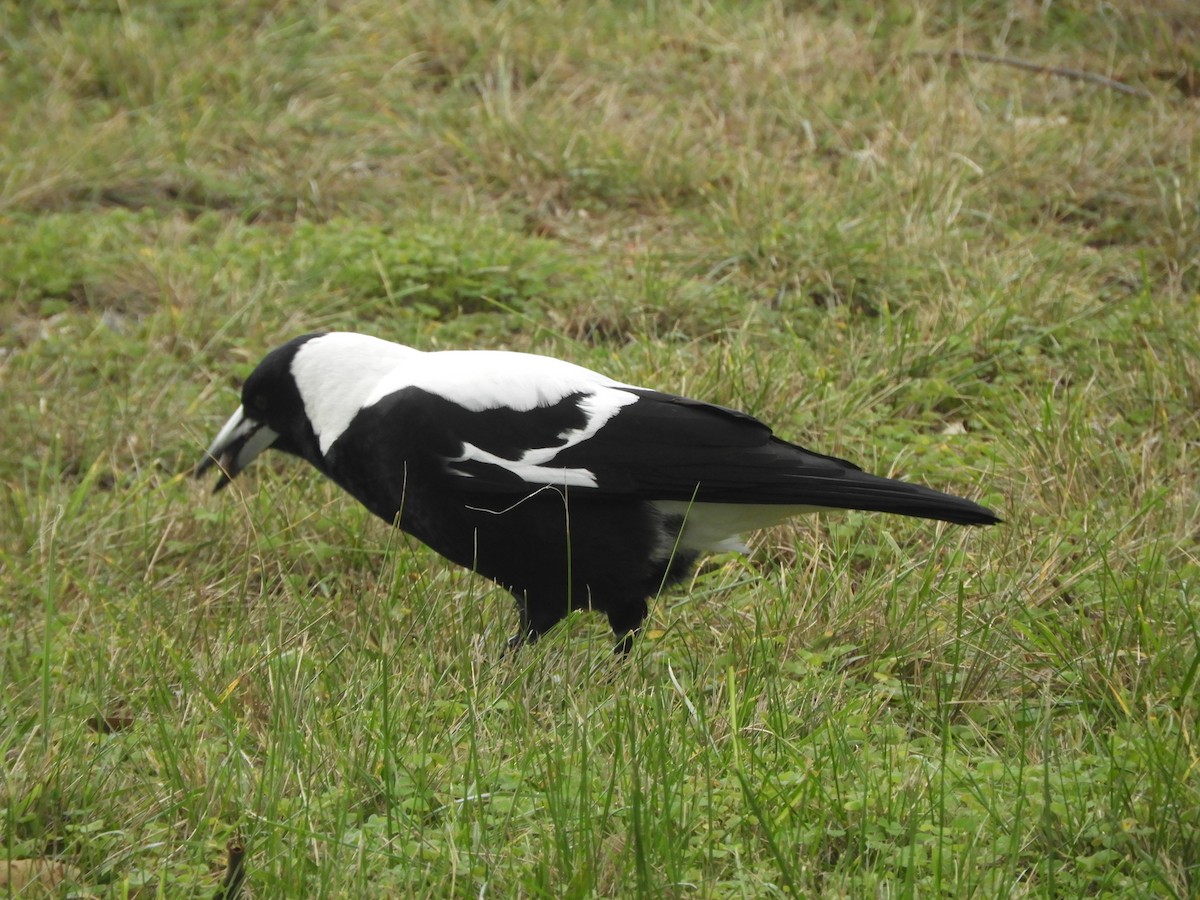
x: 569, y: 489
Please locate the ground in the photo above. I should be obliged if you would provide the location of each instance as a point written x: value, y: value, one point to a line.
x: 857, y: 221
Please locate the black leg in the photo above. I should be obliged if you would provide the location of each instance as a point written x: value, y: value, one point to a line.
x: 532, y: 624
x: 626, y: 622
x: 625, y: 645
x: 517, y: 641
x: 522, y: 636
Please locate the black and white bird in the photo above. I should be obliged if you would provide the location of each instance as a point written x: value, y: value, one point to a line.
x: 569, y: 489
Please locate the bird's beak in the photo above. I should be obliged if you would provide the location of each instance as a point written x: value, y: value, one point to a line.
x: 236, y: 444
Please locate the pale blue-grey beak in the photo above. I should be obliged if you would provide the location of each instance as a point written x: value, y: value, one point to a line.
x: 236, y: 444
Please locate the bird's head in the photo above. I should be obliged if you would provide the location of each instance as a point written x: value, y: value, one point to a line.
x: 302, y: 397
x: 272, y: 414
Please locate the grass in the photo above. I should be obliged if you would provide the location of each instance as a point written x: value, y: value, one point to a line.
x: 969, y: 275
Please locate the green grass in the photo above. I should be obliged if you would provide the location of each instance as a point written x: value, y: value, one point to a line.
x: 965, y: 274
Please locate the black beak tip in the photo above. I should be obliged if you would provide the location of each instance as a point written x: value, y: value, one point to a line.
x: 207, y: 463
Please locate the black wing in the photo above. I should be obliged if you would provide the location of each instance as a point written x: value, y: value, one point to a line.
x: 664, y: 447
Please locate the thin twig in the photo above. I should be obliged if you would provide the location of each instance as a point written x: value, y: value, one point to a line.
x: 1026, y: 65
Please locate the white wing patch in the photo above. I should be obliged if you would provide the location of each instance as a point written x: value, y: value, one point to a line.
x: 340, y: 373
x: 527, y: 469
x: 535, y: 465
x: 491, y: 379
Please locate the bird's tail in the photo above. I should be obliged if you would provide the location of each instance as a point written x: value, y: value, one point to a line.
x: 855, y: 489
x: 789, y: 477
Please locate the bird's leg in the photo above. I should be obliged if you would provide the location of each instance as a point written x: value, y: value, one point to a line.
x: 517, y: 641
x: 525, y: 633
x: 532, y: 624
x: 626, y: 622
x: 624, y: 646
